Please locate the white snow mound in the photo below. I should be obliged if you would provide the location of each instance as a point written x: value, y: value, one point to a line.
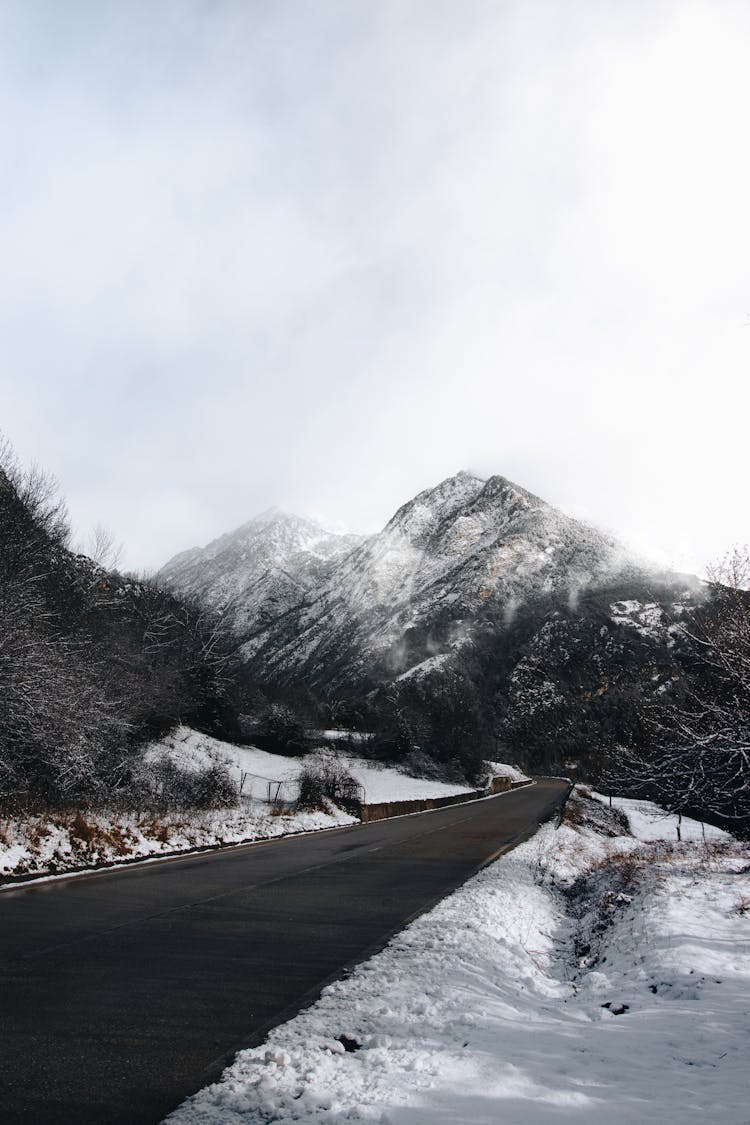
x: 485, y: 1010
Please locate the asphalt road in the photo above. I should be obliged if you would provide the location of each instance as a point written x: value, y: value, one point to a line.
x: 125, y: 991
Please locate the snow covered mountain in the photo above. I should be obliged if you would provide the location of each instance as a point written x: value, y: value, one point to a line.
x: 477, y: 599
x: 306, y: 604
x: 260, y: 571
x: 413, y: 593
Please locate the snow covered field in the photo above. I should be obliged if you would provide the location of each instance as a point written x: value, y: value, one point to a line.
x: 587, y: 975
x: 380, y: 783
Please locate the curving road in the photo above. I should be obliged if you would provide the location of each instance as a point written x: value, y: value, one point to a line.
x: 125, y: 991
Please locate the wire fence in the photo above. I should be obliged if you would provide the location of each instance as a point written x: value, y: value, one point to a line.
x: 279, y: 793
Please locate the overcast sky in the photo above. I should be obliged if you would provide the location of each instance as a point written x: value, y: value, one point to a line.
x: 323, y: 254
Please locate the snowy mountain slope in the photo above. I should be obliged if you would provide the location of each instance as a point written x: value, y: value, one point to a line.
x: 259, y: 571
x: 414, y: 590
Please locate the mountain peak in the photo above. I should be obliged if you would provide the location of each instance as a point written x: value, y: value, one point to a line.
x: 497, y: 497
x: 275, y: 516
x: 435, y: 504
x: 262, y: 567
x: 511, y: 496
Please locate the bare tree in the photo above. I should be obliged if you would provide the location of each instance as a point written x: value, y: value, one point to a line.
x: 103, y: 549
x: 35, y: 491
x: 89, y: 670
x: 696, y: 752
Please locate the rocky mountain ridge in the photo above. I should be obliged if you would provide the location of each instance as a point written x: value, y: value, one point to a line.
x: 307, y: 604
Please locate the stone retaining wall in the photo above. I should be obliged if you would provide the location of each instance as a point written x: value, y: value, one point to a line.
x: 385, y: 809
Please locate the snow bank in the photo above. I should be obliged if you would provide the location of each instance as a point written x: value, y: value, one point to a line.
x: 649, y: 822
x: 502, y: 769
x: 72, y: 840
x: 583, y: 976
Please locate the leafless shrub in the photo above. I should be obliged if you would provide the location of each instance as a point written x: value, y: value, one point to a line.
x: 324, y: 778
x: 37, y: 492
x: 175, y: 788
x: 103, y: 548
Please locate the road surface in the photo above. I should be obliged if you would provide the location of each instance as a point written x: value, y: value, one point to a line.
x: 124, y: 991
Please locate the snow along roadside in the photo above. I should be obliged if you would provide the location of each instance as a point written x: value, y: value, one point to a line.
x: 76, y: 841
x: 581, y: 975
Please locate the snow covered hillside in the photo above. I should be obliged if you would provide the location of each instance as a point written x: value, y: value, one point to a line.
x: 253, y: 768
x: 267, y: 783
x: 588, y: 974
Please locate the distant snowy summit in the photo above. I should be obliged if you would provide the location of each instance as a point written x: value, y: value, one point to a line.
x: 261, y: 570
x: 307, y: 604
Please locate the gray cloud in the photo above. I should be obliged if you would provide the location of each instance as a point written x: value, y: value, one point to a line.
x: 323, y: 255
